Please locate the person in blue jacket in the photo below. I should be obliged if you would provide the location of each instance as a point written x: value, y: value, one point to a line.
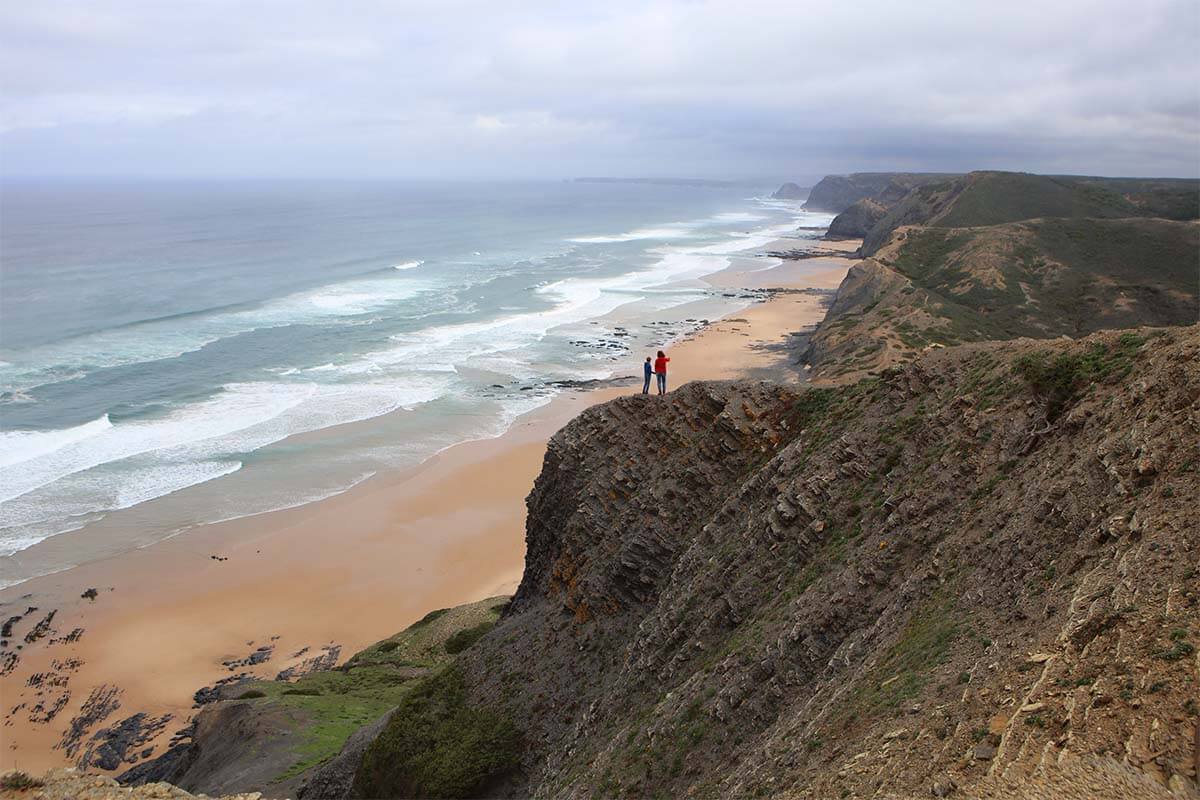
x: 649, y: 371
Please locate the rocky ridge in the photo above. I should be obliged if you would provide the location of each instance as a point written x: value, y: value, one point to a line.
x: 961, y: 573
x: 837, y: 193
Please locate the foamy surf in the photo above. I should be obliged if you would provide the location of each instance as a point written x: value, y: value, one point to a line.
x: 437, y: 357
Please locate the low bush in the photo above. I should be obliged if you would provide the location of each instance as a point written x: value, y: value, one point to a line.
x: 468, y: 636
x: 437, y: 745
x: 18, y: 781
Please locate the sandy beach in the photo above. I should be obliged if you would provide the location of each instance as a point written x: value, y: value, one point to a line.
x: 342, y: 572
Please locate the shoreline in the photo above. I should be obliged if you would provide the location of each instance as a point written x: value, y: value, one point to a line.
x: 344, y: 571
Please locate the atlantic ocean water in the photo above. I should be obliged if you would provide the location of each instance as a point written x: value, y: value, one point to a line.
x: 178, y: 353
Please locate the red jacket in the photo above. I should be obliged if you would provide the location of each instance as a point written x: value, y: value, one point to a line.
x: 660, y: 365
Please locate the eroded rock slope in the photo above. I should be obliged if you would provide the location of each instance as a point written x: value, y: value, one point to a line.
x: 957, y: 574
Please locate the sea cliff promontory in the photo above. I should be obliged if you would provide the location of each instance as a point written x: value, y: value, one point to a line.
x: 959, y: 562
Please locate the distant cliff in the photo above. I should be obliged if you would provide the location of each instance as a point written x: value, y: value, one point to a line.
x: 857, y: 220
x: 994, y: 198
x: 836, y: 193
x: 791, y: 191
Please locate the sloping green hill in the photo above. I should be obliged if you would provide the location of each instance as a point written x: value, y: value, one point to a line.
x: 995, y: 198
x: 1039, y: 278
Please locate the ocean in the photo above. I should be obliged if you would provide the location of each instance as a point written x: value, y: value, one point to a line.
x: 179, y: 353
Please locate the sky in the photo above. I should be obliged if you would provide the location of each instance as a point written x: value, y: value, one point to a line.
x: 684, y: 88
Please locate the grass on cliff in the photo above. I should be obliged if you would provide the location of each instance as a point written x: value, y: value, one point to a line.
x: 905, y: 669
x: 993, y: 198
x: 1058, y: 380
x: 439, y: 745
x: 330, y: 705
x: 1048, y: 277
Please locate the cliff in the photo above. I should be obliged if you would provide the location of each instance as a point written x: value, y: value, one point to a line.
x: 962, y: 563
x: 947, y: 576
x: 836, y: 193
x: 935, y: 287
x: 857, y: 220
x: 791, y: 191
x: 994, y: 198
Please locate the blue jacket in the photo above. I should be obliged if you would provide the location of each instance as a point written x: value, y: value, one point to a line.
x: 649, y: 370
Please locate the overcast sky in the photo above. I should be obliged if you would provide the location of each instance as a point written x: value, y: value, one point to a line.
x: 505, y: 89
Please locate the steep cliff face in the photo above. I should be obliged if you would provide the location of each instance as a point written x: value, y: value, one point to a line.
x: 972, y: 575
x: 857, y: 220
x: 791, y: 191
x: 947, y: 576
x: 837, y: 193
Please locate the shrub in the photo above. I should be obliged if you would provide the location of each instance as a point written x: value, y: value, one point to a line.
x: 251, y: 694
x: 468, y: 636
x: 1061, y: 379
x: 437, y: 745
x: 1177, y: 651
x: 428, y: 618
x: 18, y: 781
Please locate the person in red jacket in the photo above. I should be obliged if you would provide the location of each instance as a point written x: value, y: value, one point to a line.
x: 660, y: 369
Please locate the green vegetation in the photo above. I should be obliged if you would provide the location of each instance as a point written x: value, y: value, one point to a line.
x: 18, y: 781
x: 813, y: 404
x: 326, y: 707
x: 329, y: 706
x: 904, y: 670
x: 992, y: 198
x: 427, y: 642
x: 438, y: 745
x: 1177, y: 651
x: 428, y: 618
x: 925, y: 251
x: 465, y: 638
x: 1060, y: 379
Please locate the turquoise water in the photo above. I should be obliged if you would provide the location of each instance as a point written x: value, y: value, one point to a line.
x: 161, y: 344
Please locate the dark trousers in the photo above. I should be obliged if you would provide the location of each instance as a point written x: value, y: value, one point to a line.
x: 662, y: 382
x: 646, y: 385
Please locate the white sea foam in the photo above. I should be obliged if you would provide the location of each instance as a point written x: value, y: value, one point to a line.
x: 678, y: 230
x: 20, y: 446
x: 409, y: 264
x: 170, y: 338
x: 51, y: 478
x: 738, y: 216
x: 241, y: 419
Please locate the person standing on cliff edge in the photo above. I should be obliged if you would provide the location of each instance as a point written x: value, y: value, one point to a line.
x: 660, y: 369
x: 648, y: 370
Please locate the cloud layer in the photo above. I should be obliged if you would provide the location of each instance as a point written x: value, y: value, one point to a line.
x: 468, y: 88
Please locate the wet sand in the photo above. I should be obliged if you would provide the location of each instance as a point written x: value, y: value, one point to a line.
x: 349, y: 570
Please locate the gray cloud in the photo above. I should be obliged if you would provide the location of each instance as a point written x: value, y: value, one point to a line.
x: 471, y: 88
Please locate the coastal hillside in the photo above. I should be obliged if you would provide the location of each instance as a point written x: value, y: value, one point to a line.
x: 837, y: 193
x: 993, y: 198
x: 969, y: 576
x: 937, y: 287
x: 960, y: 563
x: 937, y: 580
